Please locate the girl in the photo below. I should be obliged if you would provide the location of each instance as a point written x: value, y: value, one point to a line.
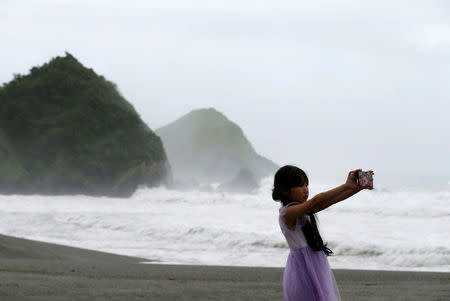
x: 307, y: 275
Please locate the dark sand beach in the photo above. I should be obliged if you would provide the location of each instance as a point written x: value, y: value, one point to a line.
x: 31, y: 270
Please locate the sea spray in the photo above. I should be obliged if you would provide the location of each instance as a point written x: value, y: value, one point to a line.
x: 387, y: 228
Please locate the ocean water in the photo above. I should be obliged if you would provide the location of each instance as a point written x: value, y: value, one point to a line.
x: 389, y: 228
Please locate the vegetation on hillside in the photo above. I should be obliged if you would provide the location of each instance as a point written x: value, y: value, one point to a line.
x: 65, y: 129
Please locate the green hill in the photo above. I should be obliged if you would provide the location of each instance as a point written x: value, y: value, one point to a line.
x: 65, y: 129
x: 208, y: 147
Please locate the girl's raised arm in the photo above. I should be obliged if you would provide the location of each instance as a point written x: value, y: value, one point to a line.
x: 323, y: 200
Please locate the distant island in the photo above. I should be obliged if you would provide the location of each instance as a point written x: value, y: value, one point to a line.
x: 66, y: 130
x: 203, y: 146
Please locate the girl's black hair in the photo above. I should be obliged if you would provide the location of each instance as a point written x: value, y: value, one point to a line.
x: 291, y: 176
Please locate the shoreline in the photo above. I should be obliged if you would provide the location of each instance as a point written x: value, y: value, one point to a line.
x: 32, y: 270
x: 277, y: 267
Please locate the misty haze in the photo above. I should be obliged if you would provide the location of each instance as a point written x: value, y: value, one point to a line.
x: 139, y: 142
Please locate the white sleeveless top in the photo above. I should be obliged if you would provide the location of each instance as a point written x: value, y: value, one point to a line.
x: 295, y: 238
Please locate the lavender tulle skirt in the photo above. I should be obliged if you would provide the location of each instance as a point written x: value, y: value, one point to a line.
x: 308, y: 277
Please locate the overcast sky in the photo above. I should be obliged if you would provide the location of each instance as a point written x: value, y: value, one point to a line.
x: 327, y: 85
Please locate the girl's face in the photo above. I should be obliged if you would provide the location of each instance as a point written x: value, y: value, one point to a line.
x: 299, y: 193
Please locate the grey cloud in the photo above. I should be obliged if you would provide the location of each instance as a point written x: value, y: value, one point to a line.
x: 309, y: 82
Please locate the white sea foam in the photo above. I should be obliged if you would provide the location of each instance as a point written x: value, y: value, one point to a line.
x: 380, y: 229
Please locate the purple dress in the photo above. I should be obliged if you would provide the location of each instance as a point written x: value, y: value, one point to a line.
x: 307, y: 275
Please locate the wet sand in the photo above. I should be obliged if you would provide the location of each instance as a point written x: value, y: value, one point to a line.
x: 31, y: 270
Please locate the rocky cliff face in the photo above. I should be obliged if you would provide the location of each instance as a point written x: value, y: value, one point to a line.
x: 64, y: 129
x: 205, y: 146
x: 243, y: 182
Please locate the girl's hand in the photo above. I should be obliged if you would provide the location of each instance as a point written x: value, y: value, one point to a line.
x: 351, y: 180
